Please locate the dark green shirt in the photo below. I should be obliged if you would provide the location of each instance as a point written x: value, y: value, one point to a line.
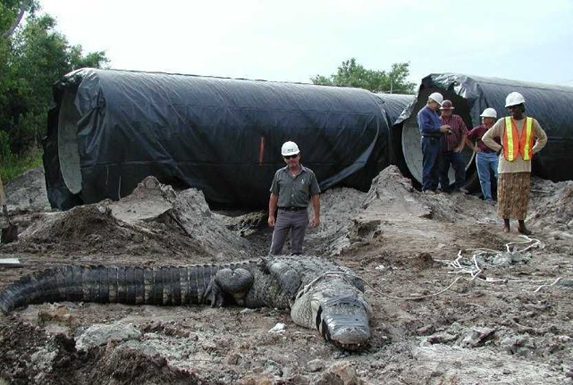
x: 294, y: 191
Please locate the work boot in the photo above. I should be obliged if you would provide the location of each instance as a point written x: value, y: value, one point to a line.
x: 506, y: 228
x: 522, y: 229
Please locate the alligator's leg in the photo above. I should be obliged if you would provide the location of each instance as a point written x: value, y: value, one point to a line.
x: 287, y: 277
x: 235, y: 283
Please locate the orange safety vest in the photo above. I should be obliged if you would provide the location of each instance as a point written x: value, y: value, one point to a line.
x: 513, y: 144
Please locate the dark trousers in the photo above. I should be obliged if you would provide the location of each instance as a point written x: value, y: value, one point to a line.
x: 296, y: 222
x: 430, y: 160
x: 457, y: 162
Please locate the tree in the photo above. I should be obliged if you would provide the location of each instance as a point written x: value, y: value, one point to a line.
x: 352, y: 74
x: 12, y: 12
x: 32, y: 58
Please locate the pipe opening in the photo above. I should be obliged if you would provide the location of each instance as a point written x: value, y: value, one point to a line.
x: 410, y: 139
x: 68, y: 150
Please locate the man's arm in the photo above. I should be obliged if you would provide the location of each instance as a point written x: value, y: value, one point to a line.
x: 273, y: 200
x: 464, y: 130
x: 429, y: 125
x: 315, y: 199
x: 493, y: 132
x: 472, y: 145
x: 462, y: 143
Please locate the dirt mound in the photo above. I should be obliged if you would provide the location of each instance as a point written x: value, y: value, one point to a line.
x: 154, y: 220
x: 81, y: 223
x: 551, y: 205
x: 338, y: 207
x: 32, y: 356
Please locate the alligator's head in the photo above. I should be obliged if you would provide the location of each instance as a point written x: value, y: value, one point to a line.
x: 337, y: 309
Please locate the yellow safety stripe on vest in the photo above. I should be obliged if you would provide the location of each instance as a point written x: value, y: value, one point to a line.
x: 528, y: 139
x: 509, y: 152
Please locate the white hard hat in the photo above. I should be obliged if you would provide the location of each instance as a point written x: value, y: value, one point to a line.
x: 513, y: 99
x: 436, y: 97
x: 489, y: 113
x: 289, y: 148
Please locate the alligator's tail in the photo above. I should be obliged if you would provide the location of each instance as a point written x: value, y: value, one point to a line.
x: 112, y: 284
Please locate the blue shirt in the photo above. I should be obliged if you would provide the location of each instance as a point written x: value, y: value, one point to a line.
x: 429, y: 122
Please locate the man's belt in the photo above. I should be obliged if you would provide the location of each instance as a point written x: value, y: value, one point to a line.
x: 293, y: 208
x: 432, y: 136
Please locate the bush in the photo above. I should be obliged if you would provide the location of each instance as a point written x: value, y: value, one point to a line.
x: 13, y: 165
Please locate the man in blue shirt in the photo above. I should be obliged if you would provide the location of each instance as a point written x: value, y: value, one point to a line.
x: 431, y: 130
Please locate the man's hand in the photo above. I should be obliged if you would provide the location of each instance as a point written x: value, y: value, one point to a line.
x: 458, y: 149
x: 271, y: 220
x: 445, y: 129
x: 477, y: 149
x: 314, y: 222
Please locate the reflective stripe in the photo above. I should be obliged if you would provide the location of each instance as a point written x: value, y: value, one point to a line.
x: 527, y: 139
x: 514, y: 143
x: 508, y: 139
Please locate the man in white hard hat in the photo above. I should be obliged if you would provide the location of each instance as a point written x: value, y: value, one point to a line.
x: 521, y: 137
x: 452, y: 147
x: 486, y: 158
x: 431, y: 130
x: 292, y: 188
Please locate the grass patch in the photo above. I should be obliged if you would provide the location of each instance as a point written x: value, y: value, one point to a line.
x: 12, y: 166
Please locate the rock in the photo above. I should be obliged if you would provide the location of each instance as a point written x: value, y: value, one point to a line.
x: 521, y: 345
x: 255, y: 380
x: 441, y: 338
x: 28, y: 192
x: 477, y: 337
x: 55, y: 314
x: 341, y: 373
x: 99, y: 334
x: 233, y: 358
x: 298, y: 379
x: 278, y: 328
x: 568, y: 282
x: 455, y: 328
x: 315, y: 365
x: 425, y: 330
x: 43, y: 358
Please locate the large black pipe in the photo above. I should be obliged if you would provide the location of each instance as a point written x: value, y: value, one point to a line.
x: 110, y: 129
x: 549, y: 104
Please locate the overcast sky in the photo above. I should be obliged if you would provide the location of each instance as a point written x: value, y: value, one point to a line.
x: 295, y: 40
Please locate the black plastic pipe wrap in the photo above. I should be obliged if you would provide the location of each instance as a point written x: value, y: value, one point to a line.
x: 551, y: 105
x: 110, y: 129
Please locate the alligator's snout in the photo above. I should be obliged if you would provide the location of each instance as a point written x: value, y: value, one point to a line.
x: 351, y: 337
x: 344, y: 321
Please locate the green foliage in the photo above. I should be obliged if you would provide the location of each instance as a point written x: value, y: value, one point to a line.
x: 31, y: 60
x: 14, y: 165
x: 352, y: 74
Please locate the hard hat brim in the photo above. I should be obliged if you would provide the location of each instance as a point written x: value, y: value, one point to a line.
x: 291, y: 153
x: 513, y: 104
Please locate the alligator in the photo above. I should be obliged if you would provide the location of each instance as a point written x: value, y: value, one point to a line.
x: 319, y: 293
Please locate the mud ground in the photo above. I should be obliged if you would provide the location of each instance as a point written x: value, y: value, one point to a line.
x: 455, y: 300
